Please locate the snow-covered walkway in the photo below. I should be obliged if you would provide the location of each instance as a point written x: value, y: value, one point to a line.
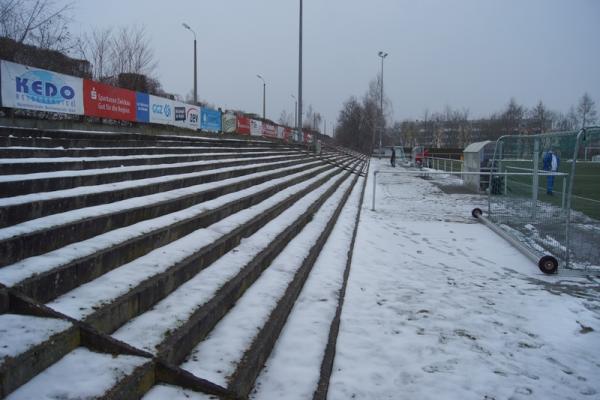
x: 439, y: 307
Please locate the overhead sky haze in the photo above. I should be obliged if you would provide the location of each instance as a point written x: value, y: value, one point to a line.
x: 467, y: 54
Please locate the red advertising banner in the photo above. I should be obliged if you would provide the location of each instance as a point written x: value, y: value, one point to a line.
x: 269, y: 130
x: 105, y: 101
x: 243, y: 125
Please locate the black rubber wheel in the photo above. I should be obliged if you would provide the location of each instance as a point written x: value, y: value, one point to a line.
x: 476, y: 212
x: 548, y: 265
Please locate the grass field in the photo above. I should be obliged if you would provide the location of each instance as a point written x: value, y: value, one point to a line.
x: 586, y: 190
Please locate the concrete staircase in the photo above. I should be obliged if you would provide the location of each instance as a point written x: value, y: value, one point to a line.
x: 135, y: 266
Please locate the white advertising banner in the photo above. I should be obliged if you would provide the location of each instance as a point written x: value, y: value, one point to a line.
x: 161, y: 111
x: 229, y: 123
x: 38, y: 89
x: 186, y: 115
x: 255, y: 127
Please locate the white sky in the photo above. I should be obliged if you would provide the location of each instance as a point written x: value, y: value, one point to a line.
x: 472, y: 54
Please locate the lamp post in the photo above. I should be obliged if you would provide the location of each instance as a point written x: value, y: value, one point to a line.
x: 295, y: 108
x: 382, y: 55
x: 186, y: 26
x: 264, y: 94
x: 299, y: 117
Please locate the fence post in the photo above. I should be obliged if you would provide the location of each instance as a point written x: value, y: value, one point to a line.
x: 564, y: 191
x: 534, y: 192
x: 374, y: 186
x: 569, y: 194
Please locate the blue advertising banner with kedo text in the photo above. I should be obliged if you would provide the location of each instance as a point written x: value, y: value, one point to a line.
x: 210, y: 120
x: 38, y: 89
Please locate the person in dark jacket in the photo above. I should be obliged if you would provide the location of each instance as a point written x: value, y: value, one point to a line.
x: 393, y: 158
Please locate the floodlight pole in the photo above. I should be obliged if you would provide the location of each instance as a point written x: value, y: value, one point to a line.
x: 299, y: 118
x: 186, y: 26
x: 264, y: 95
x: 382, y: 55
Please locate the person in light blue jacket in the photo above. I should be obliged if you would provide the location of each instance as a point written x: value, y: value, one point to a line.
x: 551, y: 163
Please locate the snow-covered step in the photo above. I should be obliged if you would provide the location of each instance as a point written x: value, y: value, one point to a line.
x: 49, y: 275
x: 16, y: 166
x: 45, y: 234
x: 17, y: 185
x: 29, y: 344
x: 16, y: 152
x: 293, y: 371
x: 22, y: 208
x: 164, y: 391
x: 176, y: 323
x: 84, y: 374
x: 237, y: 347
x: 115, y: 297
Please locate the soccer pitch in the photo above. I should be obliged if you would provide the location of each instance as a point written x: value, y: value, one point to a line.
x: 586, y: 190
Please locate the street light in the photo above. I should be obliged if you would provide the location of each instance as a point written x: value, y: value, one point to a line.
x: 295, y: 108
x: 299, y: 117
x: 382, y: 55
x: 186, y: 26
x: 264, y: 94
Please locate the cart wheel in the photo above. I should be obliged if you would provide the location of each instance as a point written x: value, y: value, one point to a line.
x: 548, y: 265
x: 476, y: 212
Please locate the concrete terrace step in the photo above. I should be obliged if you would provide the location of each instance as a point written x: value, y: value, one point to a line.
x: 48, y: 233
x: 172, y: 285
x: 189, y: 313
x: 14, y: 166
x: 85, y: 260
x: 138, y: 138
x: 311, y: 328
x: 17, y: 209
x: 59, y: 152
x: 234, y: 352
x: 115, y: 141
x: 116, y: 297
x: 17, y: 185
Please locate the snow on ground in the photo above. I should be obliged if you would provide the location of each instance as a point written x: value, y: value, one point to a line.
x: 81, y: 374
x: 21, y: 332
x: 292, y: 370
x: 162, y: 392
x: 438, y: 306
x: 217, y: 357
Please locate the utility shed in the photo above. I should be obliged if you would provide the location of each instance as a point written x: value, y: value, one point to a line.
x: 477, y: 158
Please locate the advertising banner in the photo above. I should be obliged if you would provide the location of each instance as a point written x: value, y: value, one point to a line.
x: 142, y: 107
x: 243, y: 125
x: 287, y: 134
x: 100, y: 100
x: 255, y: 127
x: 37, y: 89
x: 229, y: 122
x: 185, y: 115
x: 307, y: 137
x: 210, y: 120
x: 269, y: 130
x: 161, y: 111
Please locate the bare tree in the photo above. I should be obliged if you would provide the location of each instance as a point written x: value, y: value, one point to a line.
x: 42, y: 23
x: 131, y: 51
x: 586, y: 110
x: 541, y: 116
x: 96, y: 47
x: 286, y: 118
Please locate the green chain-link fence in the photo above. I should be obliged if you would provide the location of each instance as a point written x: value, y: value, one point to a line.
x: 551, y: 199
